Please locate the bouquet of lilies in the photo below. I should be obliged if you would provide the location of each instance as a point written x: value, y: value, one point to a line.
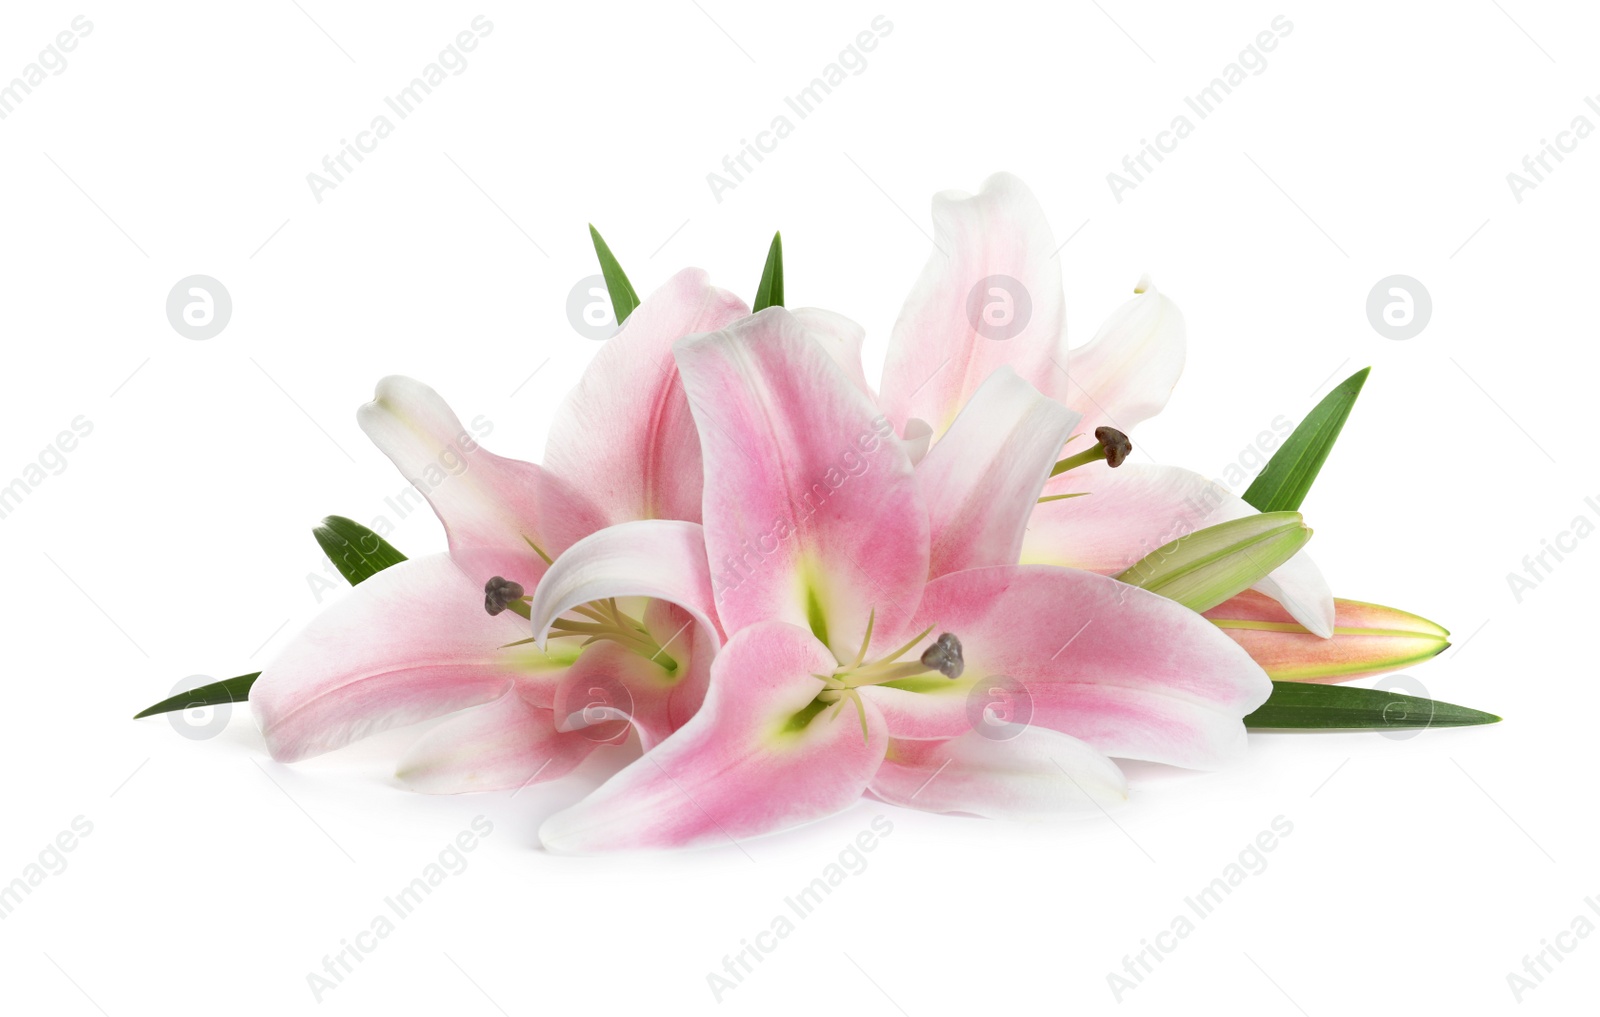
x: 956, y: 592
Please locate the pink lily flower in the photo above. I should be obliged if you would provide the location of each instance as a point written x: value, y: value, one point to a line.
x: 415, y: 642
x: 990, y: 296
x: 847, y: 668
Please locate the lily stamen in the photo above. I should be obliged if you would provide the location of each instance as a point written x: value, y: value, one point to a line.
x: 500, y: 594
x: 944, y: 656
x: 607, y: 622
x: 1112, y: 446
x: 844, y: 685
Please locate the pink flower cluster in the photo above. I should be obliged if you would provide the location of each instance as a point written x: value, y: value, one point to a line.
x: 791, y: 589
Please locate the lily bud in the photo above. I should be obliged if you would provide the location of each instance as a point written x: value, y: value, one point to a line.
x: 1368, y: 639
x: 1206, y: 567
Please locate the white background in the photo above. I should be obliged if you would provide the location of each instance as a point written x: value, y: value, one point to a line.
x: 175, y: 543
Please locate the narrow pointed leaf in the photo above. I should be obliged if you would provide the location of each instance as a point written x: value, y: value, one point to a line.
x: 355, y: 551
x: 770, y: 292
x: 1206, y: 567
x: 1299, y: 705
x: 229, y: 690
x: 623, y: 299
x: 1283, y: 485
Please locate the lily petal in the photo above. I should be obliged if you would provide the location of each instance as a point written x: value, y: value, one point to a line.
x: 744, y: 765
x: 1135, y: 508
x: 624, y: 437
x: 660, y: 558
x: 983, y: 478
x: 1125, y: 374
x: 491, y: 507
x: 1368, y: 639
x: 411, y: 643
x: 675, y: 631
x: 508, y: 743
x: 915, y: 438
x: 841, y: 337
x: 610, y: 688
x: 812, y: 512
x: 1039, y: 774
x: 994, y: 251
x: 1135, y: 675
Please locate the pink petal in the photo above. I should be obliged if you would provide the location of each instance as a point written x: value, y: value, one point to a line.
x: 937, y: 355
x: 1125, y: 374
x: 610, y: 688
x: 811, y: 506
x: 692, y: 646
x: 841, y: 337
x: 1134, y: 509
x: 1121, y: 516
x: 410, y: 643
x: 1131, y: 673
x: 983, y: 478
x: 915, y: 437
x: 660, y: 558
x: 735, y: 770
x: 1038, y: 774
x: 624, y: 438
x: 507, y: 743
x: 490, y: 506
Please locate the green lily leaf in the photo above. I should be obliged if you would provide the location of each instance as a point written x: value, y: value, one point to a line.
x: 770, y: 292
x: 1206, y: 567
x: 1283, y: 485
x: 229, y: 690
x: 355, y: 551
x: 1310, y: 706
x: 623, y: 299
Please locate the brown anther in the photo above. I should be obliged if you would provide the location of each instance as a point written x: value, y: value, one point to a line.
x: 944, y: 656
x: 1115, y: 443
x: 499, y: 592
